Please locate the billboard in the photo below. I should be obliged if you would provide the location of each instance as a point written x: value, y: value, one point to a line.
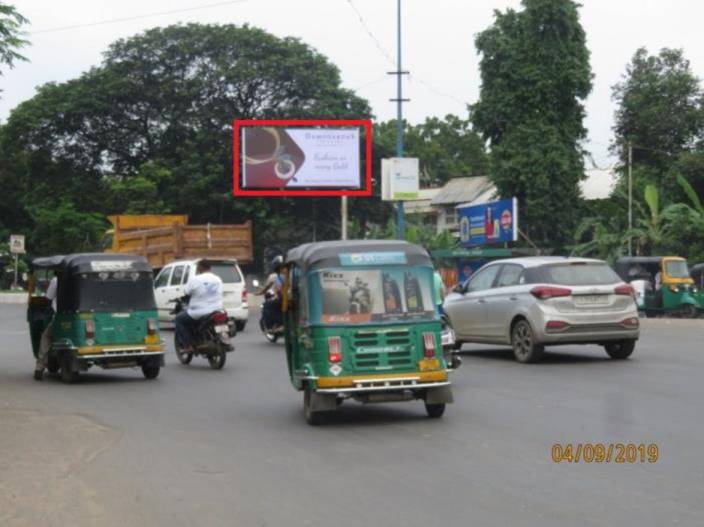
x: 492, y: 222
x: 302, y: 158
x: 399, y: 178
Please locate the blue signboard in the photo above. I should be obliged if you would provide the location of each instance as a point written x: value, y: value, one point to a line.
x: 492, y: 222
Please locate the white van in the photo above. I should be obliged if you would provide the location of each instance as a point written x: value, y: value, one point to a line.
x: 172, y: 278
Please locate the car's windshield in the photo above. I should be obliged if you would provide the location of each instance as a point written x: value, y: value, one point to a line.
x: 677, y: 269
x: 372, y: 295
x: 578, y: 273
x: 227, y: 272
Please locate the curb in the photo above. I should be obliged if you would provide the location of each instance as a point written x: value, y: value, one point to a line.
x: 13, y: 298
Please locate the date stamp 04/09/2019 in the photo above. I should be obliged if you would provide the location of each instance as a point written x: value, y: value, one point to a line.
x: 605, y: 453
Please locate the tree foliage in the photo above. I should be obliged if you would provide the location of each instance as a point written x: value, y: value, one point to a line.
x: 445, y: 147
x: 535, y: 77
x: 149, y: 130
x: 11, y: 35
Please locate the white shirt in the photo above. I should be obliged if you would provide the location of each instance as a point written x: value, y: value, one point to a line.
x: 51, y: 292
x: 205, y: 290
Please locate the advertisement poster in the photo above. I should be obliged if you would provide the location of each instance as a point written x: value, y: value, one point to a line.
x: 488, y: 223
x: 361, y: 295
x: 276, y: 158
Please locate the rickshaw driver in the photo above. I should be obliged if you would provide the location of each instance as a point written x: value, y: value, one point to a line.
x: 205, y: 292
x: 45, y: 342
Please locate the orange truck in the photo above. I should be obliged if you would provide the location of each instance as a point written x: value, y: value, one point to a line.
x: 162, y: 239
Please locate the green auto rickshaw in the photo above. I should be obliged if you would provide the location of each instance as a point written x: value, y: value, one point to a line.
x: 360, y: 322
x: 105, y: 313
x: 663, y: 285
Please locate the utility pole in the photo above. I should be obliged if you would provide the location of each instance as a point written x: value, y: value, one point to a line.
x: 399, y: 100
x: 630, y: 196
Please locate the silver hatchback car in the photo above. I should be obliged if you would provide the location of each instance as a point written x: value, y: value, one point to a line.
x: 530, y: 303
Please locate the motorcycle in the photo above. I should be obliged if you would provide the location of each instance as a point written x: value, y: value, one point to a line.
x: 211, y: 337
x: 450, y: 345
x: 272, y: 333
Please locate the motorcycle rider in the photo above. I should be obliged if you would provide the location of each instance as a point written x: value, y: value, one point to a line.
x: 271, y: 309
x: 205, y: 292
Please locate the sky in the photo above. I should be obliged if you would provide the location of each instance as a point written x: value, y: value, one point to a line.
x: 359, y: 36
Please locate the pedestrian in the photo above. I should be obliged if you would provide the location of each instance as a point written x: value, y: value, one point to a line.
x: 47, y: 334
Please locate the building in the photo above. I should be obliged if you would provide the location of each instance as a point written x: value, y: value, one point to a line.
x: 439, y: 205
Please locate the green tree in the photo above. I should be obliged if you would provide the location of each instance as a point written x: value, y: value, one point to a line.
x: 152, y: 125
x: 661, y: 113
x: 11, y: 34
x: 445, y: 148
x: 535, y: 77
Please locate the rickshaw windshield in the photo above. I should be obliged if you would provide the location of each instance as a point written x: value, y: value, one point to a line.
x: 108, y: 291
x: 369, y: 294
x: 677, y: 269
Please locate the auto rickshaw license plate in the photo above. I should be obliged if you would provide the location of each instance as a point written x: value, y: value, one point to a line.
x: 429, y: 364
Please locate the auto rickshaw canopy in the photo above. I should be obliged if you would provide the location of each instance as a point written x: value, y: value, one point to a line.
x: 320, y: 255
x: 100, y: 282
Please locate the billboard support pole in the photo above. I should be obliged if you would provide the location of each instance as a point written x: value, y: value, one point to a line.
x: 399, y: 100
x: 343, y: 218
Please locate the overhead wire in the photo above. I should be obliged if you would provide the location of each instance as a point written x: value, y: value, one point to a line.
x: 135, y: 17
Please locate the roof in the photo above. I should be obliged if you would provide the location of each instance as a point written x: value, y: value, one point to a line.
x: 82, y: 262
x: 464, y: 189
x: 537, y: 261
x: 423, y: 203
x: 321, y: 254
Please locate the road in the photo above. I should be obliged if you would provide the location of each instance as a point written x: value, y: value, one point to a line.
x: 230, y: 447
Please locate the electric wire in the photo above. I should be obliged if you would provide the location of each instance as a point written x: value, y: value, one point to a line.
x: 135, y: 17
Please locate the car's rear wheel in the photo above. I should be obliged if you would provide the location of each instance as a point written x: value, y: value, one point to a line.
x: 525, y: 347
x: 620, y: 350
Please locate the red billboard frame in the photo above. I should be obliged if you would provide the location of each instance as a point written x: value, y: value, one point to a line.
x: 237, y: 161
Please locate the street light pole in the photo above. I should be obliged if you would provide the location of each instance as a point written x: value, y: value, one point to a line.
x: 400, y: 216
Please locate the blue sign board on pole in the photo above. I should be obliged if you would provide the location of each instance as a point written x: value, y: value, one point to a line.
x: 488, y: 223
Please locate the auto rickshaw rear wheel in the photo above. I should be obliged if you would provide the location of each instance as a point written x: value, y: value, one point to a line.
x: 150, y: 369
x: 67, y: 374
x: 620, y: 350
x: 435, y: 410
x: 53, y: 365
x: 312, y: 417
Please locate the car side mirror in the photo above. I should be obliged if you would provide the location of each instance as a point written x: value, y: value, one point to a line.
x: 459, y: 288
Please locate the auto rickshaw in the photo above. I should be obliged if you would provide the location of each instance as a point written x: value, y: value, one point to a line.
x: 105, y: 313
x: 360, y: 322
x: 677, y: 295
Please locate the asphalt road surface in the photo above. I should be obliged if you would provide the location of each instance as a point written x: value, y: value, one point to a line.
x: 231, y: 447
